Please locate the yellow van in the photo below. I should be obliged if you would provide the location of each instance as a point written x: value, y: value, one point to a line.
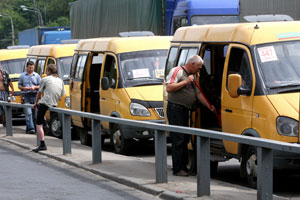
x: 61, y: 55
x: 119, y: 77
x: 252, y: 77
x: 12, y: 60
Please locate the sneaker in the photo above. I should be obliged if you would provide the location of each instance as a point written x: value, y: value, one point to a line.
x: 31, y: 132
x: 181, y: 173
x: 40, y: 148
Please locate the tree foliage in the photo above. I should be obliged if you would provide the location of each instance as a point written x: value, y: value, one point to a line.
x: 54, y: 13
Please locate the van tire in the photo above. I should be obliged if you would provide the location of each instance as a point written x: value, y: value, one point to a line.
x: 85, y: 138
x: 121, y: 145
x: 249, y: 166
x: 55, y: 126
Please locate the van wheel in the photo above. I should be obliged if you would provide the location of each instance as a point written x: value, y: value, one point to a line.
x: 249, y: 166
x: 121, y: 145
x: 85, y: 138
x: 55, y: 126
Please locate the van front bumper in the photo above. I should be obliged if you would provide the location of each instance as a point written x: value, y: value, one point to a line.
x: 286, y: 160
x: 139, y: 132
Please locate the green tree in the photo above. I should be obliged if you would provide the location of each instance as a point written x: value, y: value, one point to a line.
x: 54, y: 13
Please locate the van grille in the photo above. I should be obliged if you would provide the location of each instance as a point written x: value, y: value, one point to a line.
x: 160, y: 112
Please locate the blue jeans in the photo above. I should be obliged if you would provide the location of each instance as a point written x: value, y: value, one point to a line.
x: 29, y: 113
x: 178, y: 115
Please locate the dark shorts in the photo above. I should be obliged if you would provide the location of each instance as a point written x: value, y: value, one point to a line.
x: 42, y: 108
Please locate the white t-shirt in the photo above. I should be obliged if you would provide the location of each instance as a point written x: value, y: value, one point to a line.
x: 52, y: 88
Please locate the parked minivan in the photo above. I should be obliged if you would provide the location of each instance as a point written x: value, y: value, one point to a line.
x: 12, y: 60
x: 119, y: 77
x: 61, y: 55
x: 252, y: 77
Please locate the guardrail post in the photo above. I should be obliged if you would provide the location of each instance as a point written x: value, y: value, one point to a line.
x: 161, y: 170
x: 66, y: 134
x: 264, y: 173
x: 203, y: 166
x: 8, y: 117
x: 96, y: 141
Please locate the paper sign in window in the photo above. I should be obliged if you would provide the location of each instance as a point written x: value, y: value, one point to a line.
x: 267, y: 54
x: 140, y: 73
x: 159, y: 73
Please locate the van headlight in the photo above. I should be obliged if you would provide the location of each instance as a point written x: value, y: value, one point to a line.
x: 67, y: 102
x: 287, y: 126
x: 138, y: 110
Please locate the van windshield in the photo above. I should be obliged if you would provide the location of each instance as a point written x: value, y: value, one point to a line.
x: 143, y: 67
x: 279, y: 64
x: 64, y: 66
x: 15, y: 66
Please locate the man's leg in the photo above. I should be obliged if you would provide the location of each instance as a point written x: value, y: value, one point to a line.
x: 178, y: 116
x: 39, y: 126
x: 28, y: 115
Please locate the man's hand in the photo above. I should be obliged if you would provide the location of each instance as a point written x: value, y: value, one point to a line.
x: 35, y: 106
x: 212, y: 109
x: 189, y: 79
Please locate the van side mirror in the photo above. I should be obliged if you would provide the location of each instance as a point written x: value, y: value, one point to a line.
x: 104, y: 83
x: 234, y: 83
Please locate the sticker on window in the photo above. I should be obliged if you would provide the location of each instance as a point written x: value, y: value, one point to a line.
x: 140, y: 73
x: 159, y: 73
x: 267, y: 54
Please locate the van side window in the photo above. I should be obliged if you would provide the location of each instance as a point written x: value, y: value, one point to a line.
x: 185, y: 54
x: 40, y: 67
x: 80, y: 66
x: 50, y: 61
x: 171, y: 59
x: 110, y: 70
x: 239, y: 64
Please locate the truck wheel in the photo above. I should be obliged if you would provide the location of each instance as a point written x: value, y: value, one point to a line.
x: 121, y: 145
x: 85, y: 138
x: 55, y: 126
x: 249, y: 166
x: 213, y: 168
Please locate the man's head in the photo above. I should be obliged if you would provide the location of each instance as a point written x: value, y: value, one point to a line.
x: 29, y: 67
x: 52, y: 70
x: 194, y: 64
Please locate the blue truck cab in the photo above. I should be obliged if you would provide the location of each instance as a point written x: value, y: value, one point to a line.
x: 199, y: 12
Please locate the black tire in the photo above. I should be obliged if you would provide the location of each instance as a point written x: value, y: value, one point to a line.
x: 121, y: 145
x: 213, y: 168
x: 249, y: 166
x: 85, y: 138
x: 55, y: 126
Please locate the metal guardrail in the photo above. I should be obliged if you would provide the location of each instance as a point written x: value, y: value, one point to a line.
x: 265, y: 147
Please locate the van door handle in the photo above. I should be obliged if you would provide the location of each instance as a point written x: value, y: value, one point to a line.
x: 102, y: 98
x: 228, y: 110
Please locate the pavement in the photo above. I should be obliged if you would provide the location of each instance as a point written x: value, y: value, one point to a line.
x: 131, y: 171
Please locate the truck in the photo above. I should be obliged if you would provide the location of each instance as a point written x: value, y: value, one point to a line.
x: 163, y: 17
x: 44, y: 35
x: 199, y: 12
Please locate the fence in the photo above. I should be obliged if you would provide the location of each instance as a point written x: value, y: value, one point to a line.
x: 265, y: 147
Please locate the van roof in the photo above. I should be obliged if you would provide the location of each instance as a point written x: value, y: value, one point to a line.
x: 124, y: 44
x: 54, y: 50
x: 247, y: 33
x: 10, y: 54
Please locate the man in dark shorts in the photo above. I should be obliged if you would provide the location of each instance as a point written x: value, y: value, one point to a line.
x: 53, y: 90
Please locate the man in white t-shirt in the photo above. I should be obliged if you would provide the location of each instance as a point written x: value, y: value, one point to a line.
x: 53, y: 90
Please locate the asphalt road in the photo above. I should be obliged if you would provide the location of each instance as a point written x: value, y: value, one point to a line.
x: 26, y: 175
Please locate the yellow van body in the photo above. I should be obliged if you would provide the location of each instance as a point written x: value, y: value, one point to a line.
x: 61, y: 55
x: 263, y: 57
x: 12, y: 60
x: 120, y: 77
